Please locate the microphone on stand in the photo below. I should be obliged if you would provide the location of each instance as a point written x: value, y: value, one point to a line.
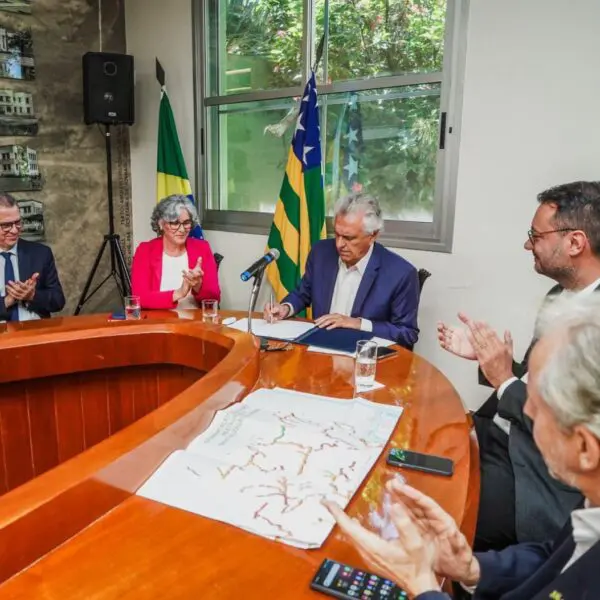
x: 260, y: 264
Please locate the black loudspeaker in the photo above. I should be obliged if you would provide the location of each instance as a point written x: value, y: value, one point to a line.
x: 108, y: 81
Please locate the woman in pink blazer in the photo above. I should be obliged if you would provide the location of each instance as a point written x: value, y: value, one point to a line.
x: 174, y: 270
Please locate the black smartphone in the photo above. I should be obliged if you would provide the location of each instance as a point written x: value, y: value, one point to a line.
x: 384, y: 352
x: 420, y: 462
x: 342, y: 581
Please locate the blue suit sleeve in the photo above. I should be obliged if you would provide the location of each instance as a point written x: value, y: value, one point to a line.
x: 402, y: 327
x: 433, y: 596
x: 49, y: 296
x: 301, y: 297
x: 504, y: 571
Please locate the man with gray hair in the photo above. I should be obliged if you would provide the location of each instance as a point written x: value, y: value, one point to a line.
x: 29, y: 284
x: 563, y: 403
x: 353, y: 282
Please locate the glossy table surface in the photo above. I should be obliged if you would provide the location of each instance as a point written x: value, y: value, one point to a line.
x: 143, y: 549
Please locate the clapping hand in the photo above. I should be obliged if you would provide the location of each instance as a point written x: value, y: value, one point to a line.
x: 22, y: 291
x: 456, y: 340
x: 194, y: 276
x: 429, y: 543
x: 495, y: 355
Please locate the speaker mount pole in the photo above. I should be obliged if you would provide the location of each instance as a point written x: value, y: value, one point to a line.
x: 118, y: 266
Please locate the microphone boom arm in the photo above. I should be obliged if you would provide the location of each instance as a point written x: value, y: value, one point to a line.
x: 258, y: 277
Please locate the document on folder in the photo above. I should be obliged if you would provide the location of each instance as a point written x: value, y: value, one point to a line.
x: 265, y: 464
x: 281, y: 330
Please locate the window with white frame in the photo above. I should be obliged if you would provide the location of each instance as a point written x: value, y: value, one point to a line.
x: 389, y: 75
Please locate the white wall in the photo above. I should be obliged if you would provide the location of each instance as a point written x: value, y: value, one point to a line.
x: 158, y: 29
x: 529, y: 121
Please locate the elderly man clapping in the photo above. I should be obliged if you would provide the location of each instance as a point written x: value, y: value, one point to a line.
x: 564, y: 405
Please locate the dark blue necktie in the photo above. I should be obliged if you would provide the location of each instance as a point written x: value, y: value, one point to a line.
x: 9, y: 275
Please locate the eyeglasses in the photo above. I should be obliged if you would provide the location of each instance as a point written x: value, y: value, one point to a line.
x: 534, y: 235
x: 177, y: 225
x: 6, y: 227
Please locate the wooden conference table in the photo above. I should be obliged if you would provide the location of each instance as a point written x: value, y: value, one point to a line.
x: 89, y: 408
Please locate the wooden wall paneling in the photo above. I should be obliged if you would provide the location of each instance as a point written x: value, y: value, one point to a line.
x: 143, y: 382
x: 68, y: 404
x: 16, y: 434
x: 94, y: 400
x: 120, y: 399
x: 170, y: 382
x: 3, y: 479
x: 42, y: 421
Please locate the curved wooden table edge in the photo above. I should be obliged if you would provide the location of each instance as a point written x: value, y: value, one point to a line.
x: 99, y: 464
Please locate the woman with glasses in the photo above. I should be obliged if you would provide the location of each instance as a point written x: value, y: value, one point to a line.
x: 174, y: 270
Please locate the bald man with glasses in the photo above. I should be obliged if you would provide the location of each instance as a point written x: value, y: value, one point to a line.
x: 29, y: 284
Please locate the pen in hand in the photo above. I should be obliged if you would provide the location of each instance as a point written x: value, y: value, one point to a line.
x: 271, y: 308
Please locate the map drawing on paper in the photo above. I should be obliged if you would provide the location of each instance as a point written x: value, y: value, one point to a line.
x: 265, y: 464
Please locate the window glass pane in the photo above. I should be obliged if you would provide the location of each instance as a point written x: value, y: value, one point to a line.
x: 381, y: 141
x: 249, y: 164
x: 384, y: 142
x: 375, y: 38
x: 254, y: 45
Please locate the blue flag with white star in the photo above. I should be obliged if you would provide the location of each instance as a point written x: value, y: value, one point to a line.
x: 347, y: 148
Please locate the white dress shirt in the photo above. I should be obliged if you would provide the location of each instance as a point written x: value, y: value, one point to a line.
x: 172, y: 278
x: 24, y: 313
x: 498, y: 420
x: 586, y: 530
x: 347, y: 282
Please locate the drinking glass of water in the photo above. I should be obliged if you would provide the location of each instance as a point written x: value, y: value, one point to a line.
x: 365, y: 364
x: 133, y: 309
x: 210, y: 311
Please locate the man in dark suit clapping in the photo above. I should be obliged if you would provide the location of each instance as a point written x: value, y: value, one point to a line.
x: 520, y: 500
x: 29, y: 284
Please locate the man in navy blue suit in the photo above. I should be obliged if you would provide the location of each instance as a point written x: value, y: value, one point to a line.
x: 564, y: 404
x: 355, y: 283
x: 29, y: 284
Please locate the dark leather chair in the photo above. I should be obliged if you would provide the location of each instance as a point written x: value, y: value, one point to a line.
x: 423, y: 275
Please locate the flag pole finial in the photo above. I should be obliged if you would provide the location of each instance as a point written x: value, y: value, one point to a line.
x: 160, y: 74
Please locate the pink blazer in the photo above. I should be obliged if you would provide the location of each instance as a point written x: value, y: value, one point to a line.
x: 146, y: 273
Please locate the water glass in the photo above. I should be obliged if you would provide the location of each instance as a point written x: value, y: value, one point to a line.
x: 365, y: 364
x: 133, y: 308
x: 210, y: 311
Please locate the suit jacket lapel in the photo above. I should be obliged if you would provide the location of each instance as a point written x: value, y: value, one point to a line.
x: 557, y: 289
x: 24, y: 260
x: 366, y: 282
x: 331, y: 265
x: 156, y: 262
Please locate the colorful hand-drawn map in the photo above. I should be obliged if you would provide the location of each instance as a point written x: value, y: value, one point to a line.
x: 265, y: 464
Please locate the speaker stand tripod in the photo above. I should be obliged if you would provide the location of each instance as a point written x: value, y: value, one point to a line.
x: 118, y: 267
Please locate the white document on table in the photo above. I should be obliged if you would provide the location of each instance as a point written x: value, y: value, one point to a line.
x: 265, y: 464
x: 282, y: 330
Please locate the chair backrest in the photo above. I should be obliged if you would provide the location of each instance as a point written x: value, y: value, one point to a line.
x: 423, y: 275
x: 218, y: 259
